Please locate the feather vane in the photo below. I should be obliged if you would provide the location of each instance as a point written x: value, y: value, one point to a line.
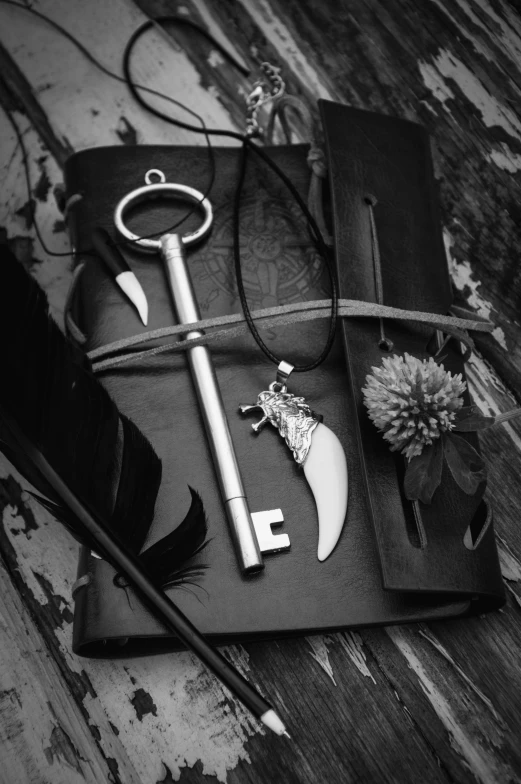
x: 61, y: 430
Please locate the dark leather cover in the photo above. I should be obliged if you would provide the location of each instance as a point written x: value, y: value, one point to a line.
x: 375, y: 575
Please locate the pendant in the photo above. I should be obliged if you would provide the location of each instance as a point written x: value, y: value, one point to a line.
x: 315, y: 447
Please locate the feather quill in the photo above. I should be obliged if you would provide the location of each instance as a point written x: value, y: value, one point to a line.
x: 62, y: 431
x: 167, y: 559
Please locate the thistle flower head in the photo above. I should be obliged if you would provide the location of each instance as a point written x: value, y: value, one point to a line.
x: 412, y: 401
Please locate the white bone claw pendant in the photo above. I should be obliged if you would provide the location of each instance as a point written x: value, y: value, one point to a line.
x: 317, y: 449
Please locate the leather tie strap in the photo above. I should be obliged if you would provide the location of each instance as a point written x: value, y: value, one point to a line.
x: 278, y: 316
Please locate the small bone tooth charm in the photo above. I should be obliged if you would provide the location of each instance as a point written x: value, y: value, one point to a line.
x: 317, y: 449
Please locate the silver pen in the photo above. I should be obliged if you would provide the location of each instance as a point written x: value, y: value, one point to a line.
x: 172, y: 250
x: 212, y: 409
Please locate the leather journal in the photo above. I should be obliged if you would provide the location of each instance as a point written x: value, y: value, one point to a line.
x: 395, y: 561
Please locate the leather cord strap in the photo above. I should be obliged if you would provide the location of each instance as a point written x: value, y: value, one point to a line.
x: 278, y: 316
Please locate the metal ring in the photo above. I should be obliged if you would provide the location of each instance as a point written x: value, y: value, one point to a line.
x: 284, y: 371
x: 277, y: 386
x: 155, y: 190
x: 156, y: 173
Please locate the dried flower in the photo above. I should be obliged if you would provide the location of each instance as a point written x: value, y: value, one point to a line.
x: 412, y: 401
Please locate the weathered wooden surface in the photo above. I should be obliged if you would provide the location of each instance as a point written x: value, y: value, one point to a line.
x: 437, y: 703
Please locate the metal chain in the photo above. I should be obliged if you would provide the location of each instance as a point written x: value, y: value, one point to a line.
x: 264, y: 90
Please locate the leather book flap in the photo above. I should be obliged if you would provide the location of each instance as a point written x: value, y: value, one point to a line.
x: 421, y: 547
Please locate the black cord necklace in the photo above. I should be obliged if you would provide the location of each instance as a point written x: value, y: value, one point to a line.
x: 313, y: 445
x: 97, y: 64
x: 315, y: 448
x: 247, y: 146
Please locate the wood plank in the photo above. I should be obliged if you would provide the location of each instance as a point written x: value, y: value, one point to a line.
x: 118, y: 695
x: 454, y: 67
x: 142, y: 711
x: 108, y: 114
x: 425, y: 703
x: 43, y: 734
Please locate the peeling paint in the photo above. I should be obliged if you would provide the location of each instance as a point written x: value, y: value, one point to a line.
x: 41, y: 542
x: 169, y: 779
x: 113, y: 767
x: 215, y: 58
x: 320, y: 654
x: 505, y: 159
x: 60, y: 196
x: 126, y: 132
x: 493, y: 113
x: 13, y: 495
x: 352, y: 643
x: 516, y: 440
x: 481, y: 380
x: 197, y: 727
x: 215, y: 30
x: 59, y: 226
x: 473, y: 40
x: 23, y: 249
x: 427, y: 634
x: 61, y: 609
x: 61, y: 746
x: 431, y: 109
x: 516, y: 598
x: 508, y: 37
x: 26, y: 212
x: 288, y: 49
x: 43, y: 186
x: 434, y: 83
x: 143, y: 704
x: 462, y: 277
x: 10, y: 695
x: 469, y: 739
x: 510, y: 566
x: 196, y: 719
x: 239, y: 657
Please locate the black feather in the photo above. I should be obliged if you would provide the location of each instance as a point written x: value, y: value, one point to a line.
x: 61, y: 430
x: 50, y: 399
x: 167, y: 558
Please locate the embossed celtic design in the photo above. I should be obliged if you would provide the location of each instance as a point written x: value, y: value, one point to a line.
x: 280, y: 264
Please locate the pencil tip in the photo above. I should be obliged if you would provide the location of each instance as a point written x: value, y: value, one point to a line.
x: 271, y: 720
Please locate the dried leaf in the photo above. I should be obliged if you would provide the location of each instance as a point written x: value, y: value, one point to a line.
x: 470, y: 418
x: 466, y: 465
x: 423, y: 474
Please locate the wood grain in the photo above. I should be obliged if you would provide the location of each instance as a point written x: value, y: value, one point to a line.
x: 454, y: 67
x: 436, y: 703
x: 44, y: 736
